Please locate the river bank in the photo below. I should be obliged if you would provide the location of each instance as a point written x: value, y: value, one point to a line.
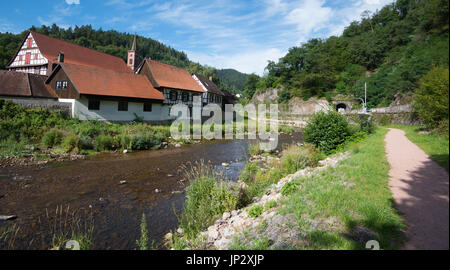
x: 154, y: 185
x: 342, y: 204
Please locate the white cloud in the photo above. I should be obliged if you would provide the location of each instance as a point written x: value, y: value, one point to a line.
x: 253, y: 61
x: 73, y: 2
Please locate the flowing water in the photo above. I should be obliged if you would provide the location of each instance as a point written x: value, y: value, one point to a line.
x: 93, y: 186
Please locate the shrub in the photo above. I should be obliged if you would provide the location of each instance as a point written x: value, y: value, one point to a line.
x: 366, y: 123
x: 289, y: 188
x: 86, y: 142
x: 71, y: 143
x: 431, y: 98
x: 52, y: 137
x: 255, y: 211
x: 326, y: 130
x: 103, y: 142
x: 295, y: 158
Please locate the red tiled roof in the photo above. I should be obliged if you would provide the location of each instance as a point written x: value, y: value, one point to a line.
x: 172, y: 77
x: 76, y: 54
x: 105, y: 82
x: 14, y: 83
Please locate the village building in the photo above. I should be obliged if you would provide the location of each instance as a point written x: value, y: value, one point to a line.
x: 40, y: 54
x: 99, y: 86
x: 212, y: 92
x: 176, y: 84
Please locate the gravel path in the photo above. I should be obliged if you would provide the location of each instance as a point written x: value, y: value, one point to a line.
x: 420, y: 188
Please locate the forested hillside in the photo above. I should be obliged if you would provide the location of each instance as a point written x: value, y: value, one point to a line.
x: 390, y: 50
x: 234, y: 78
x: 117, y: 44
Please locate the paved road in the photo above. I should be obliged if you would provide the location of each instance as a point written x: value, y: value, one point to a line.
x: 420, y: 188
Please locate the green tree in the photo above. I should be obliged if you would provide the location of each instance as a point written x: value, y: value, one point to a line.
x: 431, y: 98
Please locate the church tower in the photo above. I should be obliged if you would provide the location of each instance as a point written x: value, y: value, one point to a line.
x: 132, y: 55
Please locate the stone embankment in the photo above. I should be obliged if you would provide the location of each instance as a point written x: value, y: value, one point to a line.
x: 220, y: 235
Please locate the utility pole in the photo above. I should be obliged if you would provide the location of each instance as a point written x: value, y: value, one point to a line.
x: 365, y: 97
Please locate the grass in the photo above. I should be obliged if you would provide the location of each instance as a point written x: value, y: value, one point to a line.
x: 435, y: 145
x: 65, y: 224
x: 356, y: 193
x: 207, y: 198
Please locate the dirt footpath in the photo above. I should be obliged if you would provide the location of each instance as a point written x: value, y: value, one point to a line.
x: 420, y: 189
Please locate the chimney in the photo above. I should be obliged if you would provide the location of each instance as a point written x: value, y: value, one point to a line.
x: 61, y: 57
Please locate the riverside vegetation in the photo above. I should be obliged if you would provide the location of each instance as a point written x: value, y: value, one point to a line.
x: 338, y: 195
x: 26, y: 131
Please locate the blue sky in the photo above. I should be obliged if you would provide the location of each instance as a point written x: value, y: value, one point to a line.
x: 242, y: 35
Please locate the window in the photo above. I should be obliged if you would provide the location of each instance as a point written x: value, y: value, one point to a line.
x: 35, y: 56
x: 185, y: 97
x: 27, y: 58
x: 61, y: 85
x: 131, y: 61
x: 147, y: 107
x: 211, y: 98
x: 173, y: 95
x: 29, y: 43
x: 20, y: 58
x: 122, y: 106
x: 94, y: 105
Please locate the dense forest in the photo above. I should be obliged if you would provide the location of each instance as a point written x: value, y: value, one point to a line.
x: 118, y: 44
x: 390, y: 50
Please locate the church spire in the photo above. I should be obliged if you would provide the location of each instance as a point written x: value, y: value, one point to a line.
x: 133, y: 48
x: 132, y: 55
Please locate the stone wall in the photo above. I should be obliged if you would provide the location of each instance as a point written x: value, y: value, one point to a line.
x: 394, y: 115
x: 46, y: 103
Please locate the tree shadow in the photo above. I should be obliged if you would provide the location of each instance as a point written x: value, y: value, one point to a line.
x: 426, y: 206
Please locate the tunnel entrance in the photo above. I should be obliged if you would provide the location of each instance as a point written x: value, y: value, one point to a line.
x: 341, y: 107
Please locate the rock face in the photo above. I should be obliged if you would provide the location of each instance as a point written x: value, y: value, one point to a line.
x: 270, y: 95
x: 311, y: 106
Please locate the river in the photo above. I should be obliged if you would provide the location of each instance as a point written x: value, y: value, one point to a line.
x: 92, y: 188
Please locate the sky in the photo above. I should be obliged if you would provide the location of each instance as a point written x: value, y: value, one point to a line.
x: 243, y: 35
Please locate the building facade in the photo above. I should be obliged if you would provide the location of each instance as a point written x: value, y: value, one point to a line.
x: 99, y: 86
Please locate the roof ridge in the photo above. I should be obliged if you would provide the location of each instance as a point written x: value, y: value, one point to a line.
x: 166, y: 64
x: 74, y: 44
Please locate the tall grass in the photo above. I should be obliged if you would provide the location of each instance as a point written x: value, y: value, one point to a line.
x: 65, y: 224
x: 207, y: 198
x: 143, y: 241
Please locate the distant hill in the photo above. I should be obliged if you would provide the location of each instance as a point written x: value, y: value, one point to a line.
x: 233, y: 78
x: 118, y: 44
x: 390, y: 50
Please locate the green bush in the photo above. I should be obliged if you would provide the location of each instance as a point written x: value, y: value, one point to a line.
x: 103, y: 142
x: 326, y: 130
x: 71, y: 143
x: 431, y: 98
x: 52, y: 138
x: 255, y: 211
x: 86, y: 143
x: 296, y: 158
x: 289, y: 188
x: 366, y: 123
